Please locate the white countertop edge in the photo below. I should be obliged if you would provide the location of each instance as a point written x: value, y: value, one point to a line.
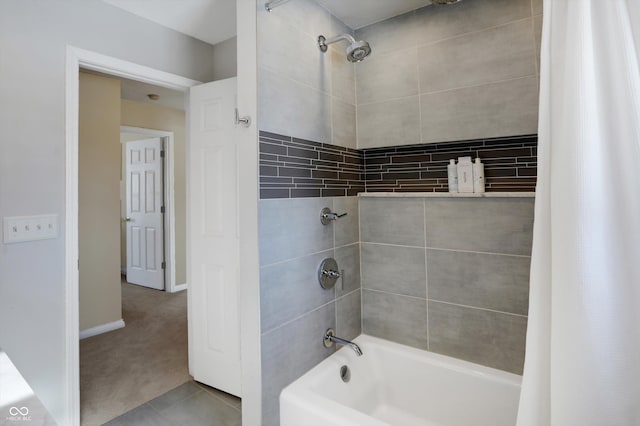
x: 446, y: 195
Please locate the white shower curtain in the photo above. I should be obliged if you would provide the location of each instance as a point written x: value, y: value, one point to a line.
x: 583, y: 342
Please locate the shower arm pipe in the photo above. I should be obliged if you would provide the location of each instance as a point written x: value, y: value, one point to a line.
x: 270, y: 5
x: 341, y: 37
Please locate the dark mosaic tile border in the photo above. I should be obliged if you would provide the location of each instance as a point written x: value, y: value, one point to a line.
x: 293, y: 168
x: 510, y: 165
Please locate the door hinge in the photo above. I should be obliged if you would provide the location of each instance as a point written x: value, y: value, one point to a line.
x: 161, y: 209
x: 164, y: 265
x: 162, y: 153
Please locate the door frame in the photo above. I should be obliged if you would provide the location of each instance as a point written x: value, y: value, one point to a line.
x: 249, y: 291
x: 171, y: 285
x: 77, y: 58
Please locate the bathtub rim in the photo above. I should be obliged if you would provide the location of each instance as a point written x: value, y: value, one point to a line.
x: 302, y: 390
x: 440, y: 360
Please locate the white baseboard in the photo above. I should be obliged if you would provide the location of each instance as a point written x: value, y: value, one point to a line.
x: 103, y: 328
x: 179, y: 287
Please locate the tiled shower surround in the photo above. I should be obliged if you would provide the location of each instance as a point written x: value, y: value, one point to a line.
x: 292, y: 168
x: 448, y: 274
x: 442, y: 82
x: 295, y: 311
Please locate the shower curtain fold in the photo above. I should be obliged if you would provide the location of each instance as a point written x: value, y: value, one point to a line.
x: 582, y: 363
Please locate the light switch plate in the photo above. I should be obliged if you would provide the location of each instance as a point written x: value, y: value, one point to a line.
x: 18, y: 229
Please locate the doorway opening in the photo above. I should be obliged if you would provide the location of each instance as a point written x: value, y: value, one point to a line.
x: 174, y: 203
x: 123, y: 369
x: 77, y: 59
x: 214, y: 136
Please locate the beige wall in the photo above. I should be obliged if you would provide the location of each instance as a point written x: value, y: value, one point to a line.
x: 99, y: 201
x: 158, y: 118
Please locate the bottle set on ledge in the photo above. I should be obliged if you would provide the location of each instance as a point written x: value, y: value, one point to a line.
x: 466, y: 177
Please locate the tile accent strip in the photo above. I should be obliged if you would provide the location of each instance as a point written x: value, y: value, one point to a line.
x: 293, y: 168
x: 510, y: 165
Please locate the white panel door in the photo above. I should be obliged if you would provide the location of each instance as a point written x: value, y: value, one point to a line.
x: 213, y: 243
x: 144, y: 201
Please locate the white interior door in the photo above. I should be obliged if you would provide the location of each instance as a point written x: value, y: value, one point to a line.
x: 144, y: 216
x: 213, y: 240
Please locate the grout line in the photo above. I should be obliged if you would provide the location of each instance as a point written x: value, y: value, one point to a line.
x: 292, y: 320
x: 157, y: 410
x: 279, y: 74
x: 360, y: 267
x: 426, y: 268
x: 347, y: 294
x: 480, y: 252
x: 420, y: 45
x: 335, y: 286
x: 504, y: 24
x: 347, y: 245
x: 536, y: 49
x: 392, y: 245
x: 488, y: 83
x: 397, y: 98
x: 331, y: 97
x: 419, y: 99
x: 280, y: 262
x: 477, y: 308
x: 394, y: 294
x: 219, y: 398
x: 443, y: 302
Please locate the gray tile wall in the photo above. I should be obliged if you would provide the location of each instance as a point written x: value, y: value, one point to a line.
x: 295, y: 311
x: 464, y: 71
x: 450, y: 275
x: 303, y: 92
x: 401, y: 100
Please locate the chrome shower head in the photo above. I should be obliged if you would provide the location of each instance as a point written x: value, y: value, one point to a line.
x: 356, y: 51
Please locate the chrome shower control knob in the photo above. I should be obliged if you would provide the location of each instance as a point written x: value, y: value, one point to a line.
x: 331, y: 274
x: 326, y: 215
x: 328, y: 273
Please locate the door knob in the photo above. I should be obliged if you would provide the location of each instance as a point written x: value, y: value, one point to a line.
x: 128, y: 219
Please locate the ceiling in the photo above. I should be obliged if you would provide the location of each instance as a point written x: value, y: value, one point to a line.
x: 213, y: 21
x: 360, y: 13
x: 138, y: 91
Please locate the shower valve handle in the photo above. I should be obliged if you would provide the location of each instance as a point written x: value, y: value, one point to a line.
x: 326, y: 215
x: 331, y: 274
x: 333, y: 216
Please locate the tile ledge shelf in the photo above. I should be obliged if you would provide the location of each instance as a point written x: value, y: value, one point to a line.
x: 447, y: 195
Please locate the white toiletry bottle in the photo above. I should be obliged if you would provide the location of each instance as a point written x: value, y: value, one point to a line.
x: 478, y: 176
x: 465, y: 175
x: 452, y: 175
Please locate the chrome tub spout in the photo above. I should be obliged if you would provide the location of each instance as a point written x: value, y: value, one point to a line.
x: 330, y: 339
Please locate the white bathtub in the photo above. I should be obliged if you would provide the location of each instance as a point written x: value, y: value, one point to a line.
x: 397, y: 385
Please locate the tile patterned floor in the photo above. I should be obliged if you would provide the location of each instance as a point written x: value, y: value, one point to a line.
x: 190, y: 404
